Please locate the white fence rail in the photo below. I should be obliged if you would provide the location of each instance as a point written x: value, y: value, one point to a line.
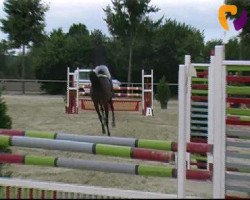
x: 73, y: 191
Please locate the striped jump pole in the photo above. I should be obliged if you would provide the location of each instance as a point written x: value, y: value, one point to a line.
x: 238, y: 92
x: 131, y: 142
x: 238, y: 120
x: 240, y: 134
x: 123, y: 88
x: 238, y: 100
x: 112, y: 167
x: 127, y: 95
x: 85, y: 147
x: 128, y: 88
x: 91, y: 148
x: 238, y: 79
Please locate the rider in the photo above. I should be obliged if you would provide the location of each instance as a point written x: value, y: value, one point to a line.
x: 103, y: 69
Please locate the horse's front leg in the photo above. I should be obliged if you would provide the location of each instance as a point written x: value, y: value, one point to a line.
x: 113, y: 114
x: 100, y: 117
x: 106, y: 108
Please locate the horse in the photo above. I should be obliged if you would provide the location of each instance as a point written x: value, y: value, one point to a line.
x: 101, y: 95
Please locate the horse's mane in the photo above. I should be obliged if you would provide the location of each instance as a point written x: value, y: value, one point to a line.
x: 94, y: 79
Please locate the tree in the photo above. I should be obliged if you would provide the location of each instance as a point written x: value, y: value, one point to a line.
x: 99, y: 51
x: 232, y: 49
x: 144, y: 51
x: 5, y: 120
x: 4, y: 57
x: 172, y: 41
x: 5, y: 123
x: 78, y: 46
x: 163, y: 93
x: 24, y: 24
x: 245, y: 47
x: 116, y: 58
x: 209, y: 48
x: 124, y: 21
x: 78, y: 30
x: 3, y: 47
x: 50, y: 61
x: 59, y: 51
x: 3, y: 50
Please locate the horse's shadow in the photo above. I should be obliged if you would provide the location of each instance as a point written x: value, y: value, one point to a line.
x: 101, y: 95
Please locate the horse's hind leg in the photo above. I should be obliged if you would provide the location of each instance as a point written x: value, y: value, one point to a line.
x: 100, y: 117
x: 103, y: 115
x: 113, y: 114
x: 106, y: 108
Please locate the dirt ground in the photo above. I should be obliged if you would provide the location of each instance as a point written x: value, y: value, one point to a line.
x: 47, y: 113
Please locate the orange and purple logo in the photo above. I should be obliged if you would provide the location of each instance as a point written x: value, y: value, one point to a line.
x: 239, y: 23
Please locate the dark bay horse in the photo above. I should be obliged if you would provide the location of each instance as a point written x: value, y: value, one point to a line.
x: 101, y: 95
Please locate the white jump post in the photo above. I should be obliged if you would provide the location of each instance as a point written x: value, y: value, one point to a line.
x: 186, y: 72
x: 188, y: 105
x: 219, y: 122
x: 181, y: 162
x: 211, y: 94
x: 77, y: 91
x: 72, y: 86
x: 148, y: 111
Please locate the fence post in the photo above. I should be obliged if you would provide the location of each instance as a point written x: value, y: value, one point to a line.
x: 220, y: 124
x: 188, y: 104
x: 181, y: 162
x: 211, y: 94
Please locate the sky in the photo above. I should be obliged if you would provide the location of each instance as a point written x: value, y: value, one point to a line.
x: 201, y: 14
